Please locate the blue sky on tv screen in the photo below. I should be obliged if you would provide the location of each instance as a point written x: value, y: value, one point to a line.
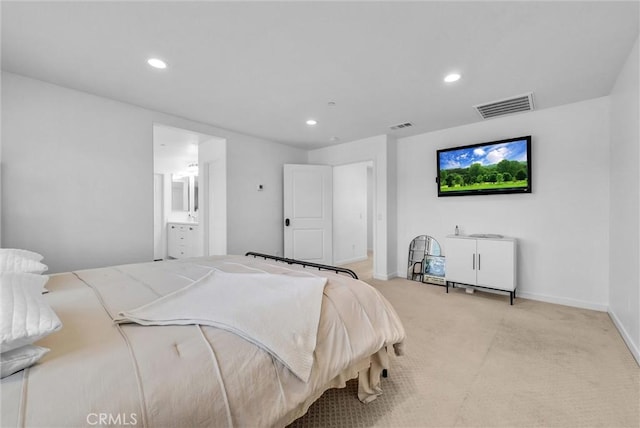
x: 485, y: 155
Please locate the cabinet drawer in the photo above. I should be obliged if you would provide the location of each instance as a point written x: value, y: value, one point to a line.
x: 182, y: 227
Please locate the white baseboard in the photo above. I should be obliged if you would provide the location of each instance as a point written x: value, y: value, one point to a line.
x: 633, y: 347
x: 563, y: 301
x: 347, y: 261
x: 385, y: 277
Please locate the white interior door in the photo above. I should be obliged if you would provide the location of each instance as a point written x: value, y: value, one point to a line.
x: 308, y: 213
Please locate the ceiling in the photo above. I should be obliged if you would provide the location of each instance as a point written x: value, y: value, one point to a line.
x: 264, y: 68
x: 174, y: 149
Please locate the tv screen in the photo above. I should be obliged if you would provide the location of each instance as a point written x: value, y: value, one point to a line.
x: 496, y: 167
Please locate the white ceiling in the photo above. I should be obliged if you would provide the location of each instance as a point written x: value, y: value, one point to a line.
x: 174, y: 149
x: 263, y: 68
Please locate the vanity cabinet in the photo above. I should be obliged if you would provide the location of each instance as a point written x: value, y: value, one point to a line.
x: 482, y: 262
x: 183, y: 240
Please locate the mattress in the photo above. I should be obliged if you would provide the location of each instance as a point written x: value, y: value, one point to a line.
x: 99, y: 372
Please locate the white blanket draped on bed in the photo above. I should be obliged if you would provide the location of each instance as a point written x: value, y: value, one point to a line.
x: 278, y: 313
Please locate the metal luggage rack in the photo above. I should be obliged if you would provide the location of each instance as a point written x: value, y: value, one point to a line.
x: 318, y: 266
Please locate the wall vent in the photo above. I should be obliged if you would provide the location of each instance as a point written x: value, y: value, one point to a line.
x: 506, y: 106
x: 401, y: 126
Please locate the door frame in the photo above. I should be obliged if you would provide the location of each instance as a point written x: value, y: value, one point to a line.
x: 204, y: 194
x: 375, y: 217
x: 367, y: 165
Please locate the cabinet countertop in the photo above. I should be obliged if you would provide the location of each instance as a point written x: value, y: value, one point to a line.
x: 483, y: 236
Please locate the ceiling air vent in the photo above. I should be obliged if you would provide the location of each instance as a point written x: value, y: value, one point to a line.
x: 401, y: 126
x: 507, y: 106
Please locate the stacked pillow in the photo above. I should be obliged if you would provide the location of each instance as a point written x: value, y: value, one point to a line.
x: 25, y: 316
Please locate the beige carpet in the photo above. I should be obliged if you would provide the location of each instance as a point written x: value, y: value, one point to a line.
x: 475, y: 361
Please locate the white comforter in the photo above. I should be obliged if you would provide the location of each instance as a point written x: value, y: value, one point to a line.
x: 133, y: 375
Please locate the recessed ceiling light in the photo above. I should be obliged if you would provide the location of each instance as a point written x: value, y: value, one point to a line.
x: 451, y: 77
x: 157, y: 63
x: 312, y: 122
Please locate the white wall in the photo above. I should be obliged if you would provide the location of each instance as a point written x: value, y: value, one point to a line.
x: 159, y: 225
x: 624, y: 276
x: 255, y: 219
x: 78, y: 177
x: 370, y: 218
x: 349, y: 213
x: 370, y: 149
x: 212, y: 155
x: 1, y: 164
x: 562, y: 227
x: 391, y: 189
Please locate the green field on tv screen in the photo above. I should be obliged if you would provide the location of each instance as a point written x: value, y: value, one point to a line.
x: 485, y: 186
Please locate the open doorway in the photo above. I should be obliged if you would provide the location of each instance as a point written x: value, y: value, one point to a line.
x: 353, y: 216
x: 187, y: 199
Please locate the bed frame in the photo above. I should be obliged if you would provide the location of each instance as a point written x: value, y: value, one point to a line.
x: 318, y: 266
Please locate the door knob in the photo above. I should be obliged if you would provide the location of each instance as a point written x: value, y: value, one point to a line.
x: 286, y: 222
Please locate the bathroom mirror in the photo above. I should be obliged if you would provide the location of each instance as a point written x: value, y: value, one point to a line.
x: 180, y: 193
x: 184, y: 194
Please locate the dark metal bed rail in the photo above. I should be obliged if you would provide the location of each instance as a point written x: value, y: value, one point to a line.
x: 319, y: 266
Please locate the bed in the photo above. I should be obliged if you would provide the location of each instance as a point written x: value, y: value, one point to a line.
x: 105, y: 369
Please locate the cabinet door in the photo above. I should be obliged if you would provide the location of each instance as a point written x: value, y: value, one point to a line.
x: 172, y: 240
x: 496, y: 264
x: 194, y: 242
x: 460, y: 264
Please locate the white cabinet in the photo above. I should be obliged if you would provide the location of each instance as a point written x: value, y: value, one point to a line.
x: 482, y: 262
x: 183, y: 240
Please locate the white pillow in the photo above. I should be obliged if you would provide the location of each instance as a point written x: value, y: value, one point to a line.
x: 31, y: 281
x: 13, y: 262
x: 22, y: 253
x: 25, y: 316
x: 21, y: 358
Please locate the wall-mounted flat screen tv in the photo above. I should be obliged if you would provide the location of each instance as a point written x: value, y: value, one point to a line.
x: 495, y: 167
